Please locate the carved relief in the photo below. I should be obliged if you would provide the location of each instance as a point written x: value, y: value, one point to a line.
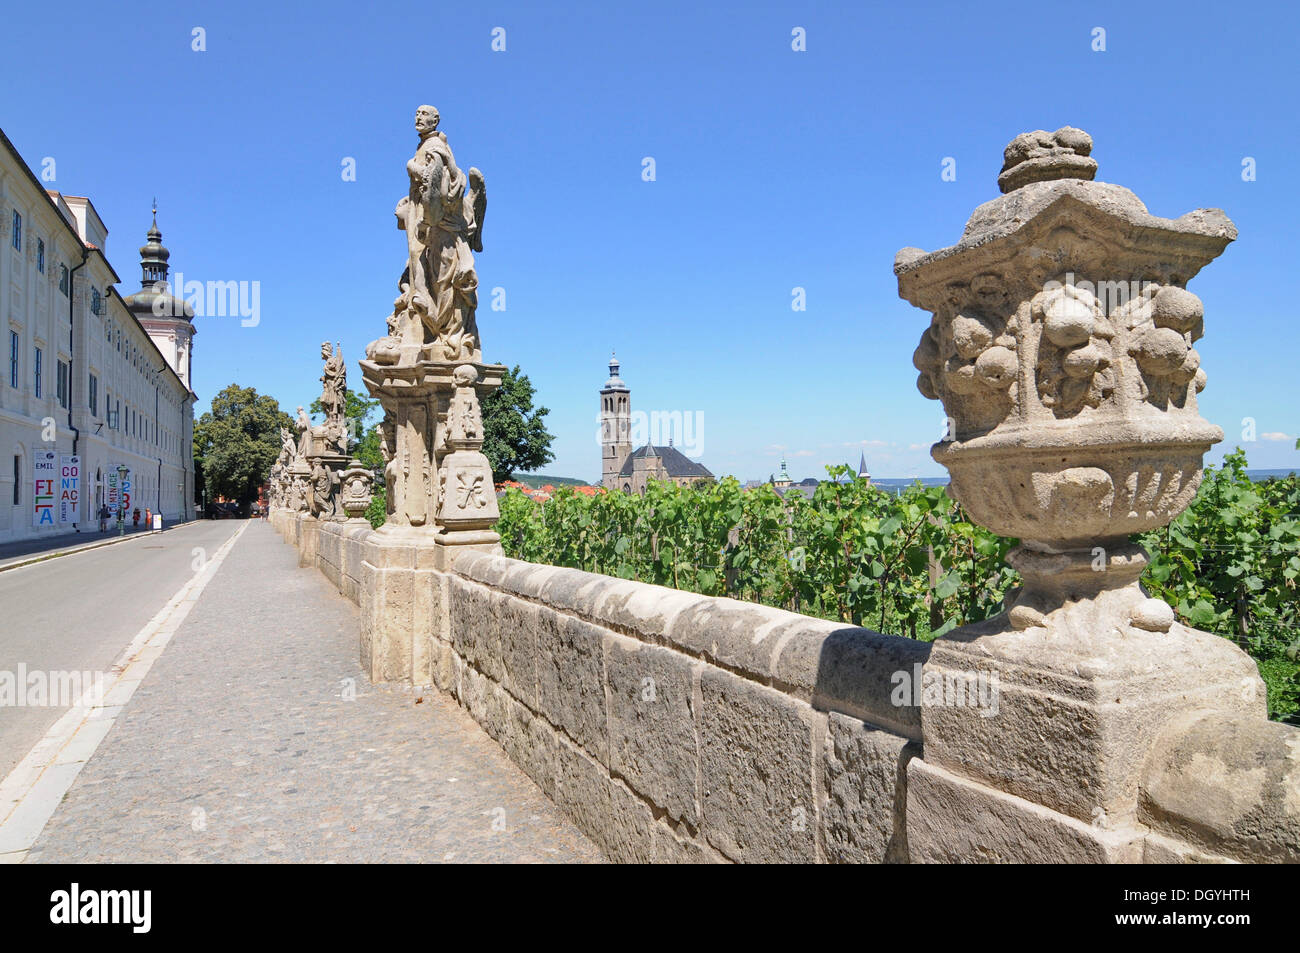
x: 1163, y: 322
x: 1074, y: 350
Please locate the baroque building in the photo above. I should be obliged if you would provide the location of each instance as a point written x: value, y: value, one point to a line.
x: 623, y: 468
x: 85, y: 387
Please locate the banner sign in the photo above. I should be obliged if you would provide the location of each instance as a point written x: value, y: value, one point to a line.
x: 69, y: 489
x: 45, y: 478
x: 114, y: 493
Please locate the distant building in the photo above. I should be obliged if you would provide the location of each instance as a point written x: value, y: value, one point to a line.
x: 784, y: 484
x: 615, y: 426
x: 623, y: 468
x: 83, y: 376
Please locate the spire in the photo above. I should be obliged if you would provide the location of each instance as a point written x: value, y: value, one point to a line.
x: 153, y: 255
x: 615, y: 382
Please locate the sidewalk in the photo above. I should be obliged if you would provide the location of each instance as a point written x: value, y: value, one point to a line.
x: 241, y: 745
x: 25, y: 551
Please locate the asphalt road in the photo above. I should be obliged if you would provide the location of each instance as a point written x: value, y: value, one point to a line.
x: 79, y: 612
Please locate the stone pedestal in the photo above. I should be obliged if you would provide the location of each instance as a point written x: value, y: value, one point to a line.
x: 441, y: 501
x: 1061, y: 348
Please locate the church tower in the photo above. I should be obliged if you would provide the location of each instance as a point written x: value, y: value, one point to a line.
x: 168, y: 320
x: 615, y: 426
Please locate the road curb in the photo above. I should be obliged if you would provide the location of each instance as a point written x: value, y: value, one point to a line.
x: 55, y: 554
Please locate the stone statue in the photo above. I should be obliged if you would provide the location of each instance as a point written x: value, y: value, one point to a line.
x: 333, y: 397
x: 288, y: 447
x: 321, y: 491
x: 428, y: 371
x: 434, y: 315
x: 304, y: 432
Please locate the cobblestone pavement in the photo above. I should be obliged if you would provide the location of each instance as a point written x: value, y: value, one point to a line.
x: 241, y: 745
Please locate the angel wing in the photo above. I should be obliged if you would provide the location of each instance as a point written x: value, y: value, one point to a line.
x: 476, y: 201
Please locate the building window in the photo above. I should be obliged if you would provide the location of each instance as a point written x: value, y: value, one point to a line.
x: 40, y: 255
x: 36, y: 368
x: 94, y: 396
x: 18, y: 230
x: 96, y: 306
x: 63, y: 279
x: 13, y: 358
x: 63, y: 383
x: 18, y: 472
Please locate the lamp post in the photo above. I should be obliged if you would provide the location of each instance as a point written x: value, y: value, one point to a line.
x: 121, y: 505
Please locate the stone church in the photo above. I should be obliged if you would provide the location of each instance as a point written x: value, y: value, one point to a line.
x: 623, y: 468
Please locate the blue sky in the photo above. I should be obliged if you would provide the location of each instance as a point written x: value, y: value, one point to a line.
x: 775, y: 169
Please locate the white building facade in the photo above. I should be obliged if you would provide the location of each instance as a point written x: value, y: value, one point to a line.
x: 82, y: 379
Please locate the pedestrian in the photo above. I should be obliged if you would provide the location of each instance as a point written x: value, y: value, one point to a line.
x: 148, y: 518
x: 103, y: 517
x: 135, y: 517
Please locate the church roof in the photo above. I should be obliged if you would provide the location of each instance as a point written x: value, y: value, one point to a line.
x: 675, y: 463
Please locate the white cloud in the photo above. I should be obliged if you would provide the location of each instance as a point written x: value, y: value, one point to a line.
x: 1275, y: 435
x: 802, y: 453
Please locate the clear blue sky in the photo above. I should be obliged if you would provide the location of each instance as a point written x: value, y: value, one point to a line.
x: 775, y: 169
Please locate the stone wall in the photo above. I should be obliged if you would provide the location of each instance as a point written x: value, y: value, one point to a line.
x: 675, y: 727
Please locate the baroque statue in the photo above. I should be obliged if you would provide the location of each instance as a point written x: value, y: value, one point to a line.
x: 442, y: 215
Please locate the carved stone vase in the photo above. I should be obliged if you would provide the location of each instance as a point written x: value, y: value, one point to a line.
x: 1061, y: 345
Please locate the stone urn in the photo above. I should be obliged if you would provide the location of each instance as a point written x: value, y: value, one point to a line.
x: 355, y: 490
x: 1062, y: 345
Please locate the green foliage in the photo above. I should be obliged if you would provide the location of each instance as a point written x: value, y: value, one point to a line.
x: 914, y: 564
x: 852, y: 553
x: 237, y: 441
x: 377, y: 511
x: 1229, y: 564
x: 514, y: 434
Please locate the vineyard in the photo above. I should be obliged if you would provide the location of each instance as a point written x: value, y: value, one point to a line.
x: 913, y: 564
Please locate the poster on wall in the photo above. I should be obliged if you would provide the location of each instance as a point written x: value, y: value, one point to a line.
x: 69, y: 489
x: 115, y: 494
x: 45, y: 473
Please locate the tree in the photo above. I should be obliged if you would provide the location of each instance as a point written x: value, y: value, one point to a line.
x: 514, y: 435
x: 237, y: 442
x: 363, y: 442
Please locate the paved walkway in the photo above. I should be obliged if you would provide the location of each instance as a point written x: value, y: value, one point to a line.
x: 244, y: 743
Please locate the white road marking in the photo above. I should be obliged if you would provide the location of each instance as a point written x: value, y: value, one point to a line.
x: 34, y: 789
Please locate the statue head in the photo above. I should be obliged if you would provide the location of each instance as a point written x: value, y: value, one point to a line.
x: 326, y: 351
x: 426, y: 120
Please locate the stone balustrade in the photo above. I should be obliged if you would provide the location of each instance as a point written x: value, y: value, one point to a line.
x: 1082, y: 724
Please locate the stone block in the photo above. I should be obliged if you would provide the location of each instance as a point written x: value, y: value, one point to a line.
x: 953, y: 820
x: 652, y: 730
x: 474, y: 625
x: 517, y: 628
x: 735, y: 635
x: 637, y: 836
x: 864, y: 807
x: 850, y: 670
x: 571, y: 680
x: 1226, y: 784
x: 757, y: 752
x: 582, y: 790
x: 532, y: 744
